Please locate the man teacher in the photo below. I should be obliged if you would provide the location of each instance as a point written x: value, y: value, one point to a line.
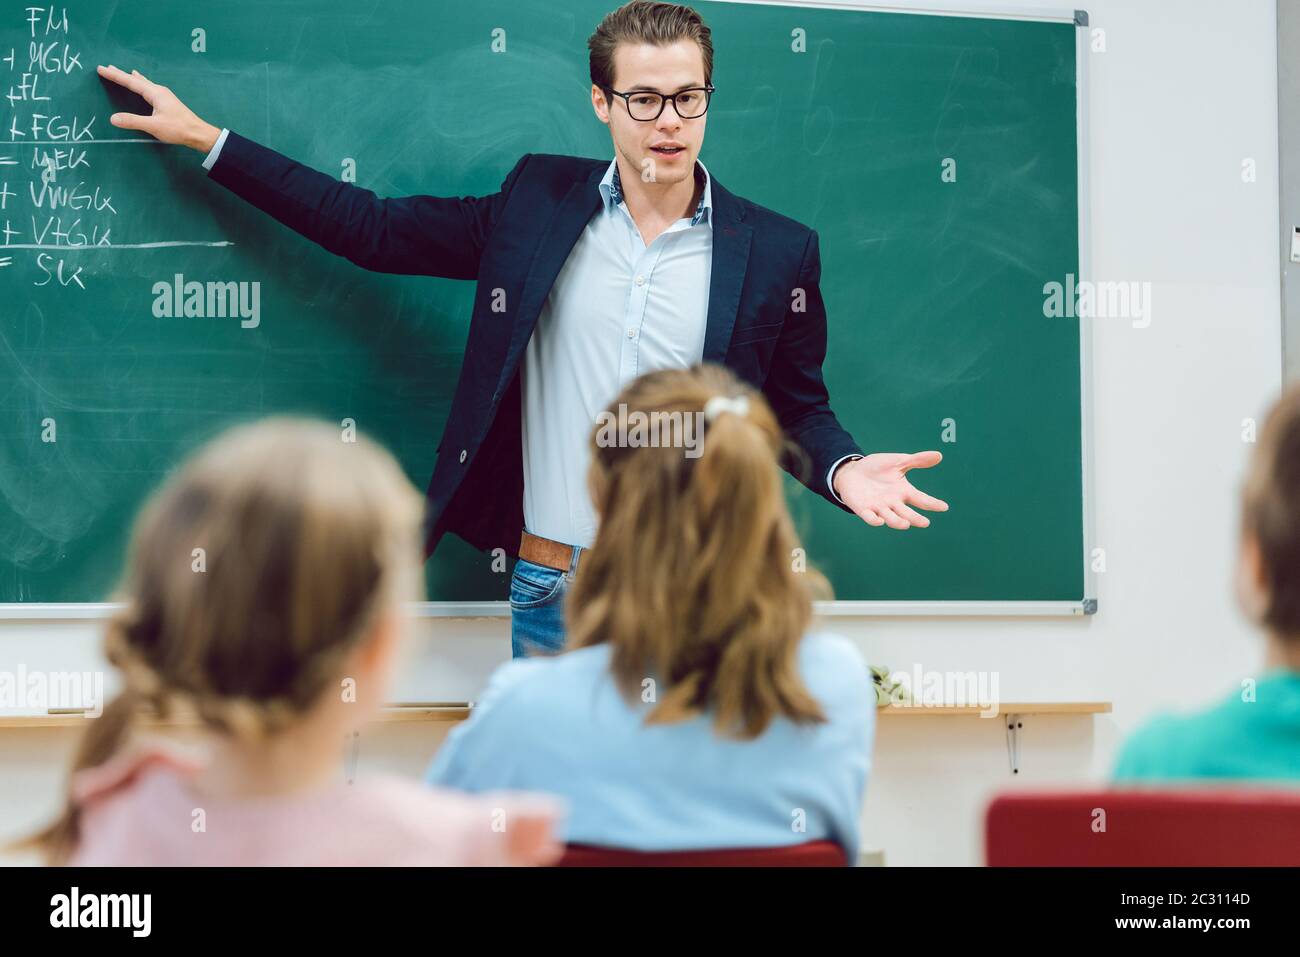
x: 609, y: 269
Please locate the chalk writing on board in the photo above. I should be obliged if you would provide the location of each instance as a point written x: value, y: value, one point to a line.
x: 52, y: 205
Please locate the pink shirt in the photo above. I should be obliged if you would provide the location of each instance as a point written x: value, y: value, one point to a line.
x: 139, y: 810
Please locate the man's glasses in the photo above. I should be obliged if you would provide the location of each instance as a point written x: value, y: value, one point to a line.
x: 645, y: 105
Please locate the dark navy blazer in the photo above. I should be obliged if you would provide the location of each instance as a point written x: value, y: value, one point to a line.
x: 517, y: 240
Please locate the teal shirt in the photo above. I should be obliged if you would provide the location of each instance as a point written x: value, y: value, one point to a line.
x: 1244, y: 740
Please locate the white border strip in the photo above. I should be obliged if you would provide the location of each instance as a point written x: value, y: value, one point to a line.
x: 73, y: 611
x: 926, y: 8
x: 1082, y: 52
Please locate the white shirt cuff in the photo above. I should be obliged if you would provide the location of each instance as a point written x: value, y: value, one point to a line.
x: 215, y: 152
x: 830, y: 476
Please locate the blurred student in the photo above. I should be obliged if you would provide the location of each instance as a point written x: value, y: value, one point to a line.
x: 1255, y: 732
x: 263, y: 598
x: 697, y: 707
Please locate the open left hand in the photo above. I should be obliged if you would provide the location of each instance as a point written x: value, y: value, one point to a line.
x: 876, y: 489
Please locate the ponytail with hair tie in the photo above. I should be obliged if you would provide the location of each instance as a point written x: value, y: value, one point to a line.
x: 692, y: 577
x: 724, y: 403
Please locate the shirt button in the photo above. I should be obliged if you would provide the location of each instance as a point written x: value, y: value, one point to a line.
x: 631, y: 333
x: 462, y: 455
x: 640, y: 280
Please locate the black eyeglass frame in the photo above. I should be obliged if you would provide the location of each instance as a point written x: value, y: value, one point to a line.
x: 664, y: 98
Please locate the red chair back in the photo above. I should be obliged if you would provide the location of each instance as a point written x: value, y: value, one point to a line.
x: 812, y: 854
x: 1148, y: 828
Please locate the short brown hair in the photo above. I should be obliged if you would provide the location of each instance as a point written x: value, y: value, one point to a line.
x: 1271, y: 512
x: 646, y: 21
x: 692, y: 577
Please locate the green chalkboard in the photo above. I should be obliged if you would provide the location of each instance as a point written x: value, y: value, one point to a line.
x: 844, y: 120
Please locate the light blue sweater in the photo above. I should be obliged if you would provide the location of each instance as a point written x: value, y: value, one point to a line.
x: 559, y: 725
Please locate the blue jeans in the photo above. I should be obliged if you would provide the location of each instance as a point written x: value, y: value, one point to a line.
x: 537, y: 608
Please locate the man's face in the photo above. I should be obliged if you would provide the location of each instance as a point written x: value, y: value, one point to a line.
x: 647, y: 145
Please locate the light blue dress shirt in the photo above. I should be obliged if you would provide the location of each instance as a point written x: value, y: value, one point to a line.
x: 559, y: 725
x: 215, y: 153
x: 618, y: 308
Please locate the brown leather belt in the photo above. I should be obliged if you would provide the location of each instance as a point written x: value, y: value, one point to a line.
x: 547, y: 552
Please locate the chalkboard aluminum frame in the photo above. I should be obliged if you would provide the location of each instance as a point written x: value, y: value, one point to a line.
x: 873, y: 609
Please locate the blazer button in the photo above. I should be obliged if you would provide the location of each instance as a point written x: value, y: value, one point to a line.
x: 462, y: 456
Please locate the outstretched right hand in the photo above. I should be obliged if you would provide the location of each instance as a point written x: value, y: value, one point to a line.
x: 171, y: 120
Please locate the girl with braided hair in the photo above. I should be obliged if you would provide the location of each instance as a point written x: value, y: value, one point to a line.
x: 263, y: 605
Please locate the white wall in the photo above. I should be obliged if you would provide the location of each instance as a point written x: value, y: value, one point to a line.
x: 1183, y: 93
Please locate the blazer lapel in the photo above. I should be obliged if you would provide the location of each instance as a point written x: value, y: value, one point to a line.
x: 567, y: 222
x: 731, y: 240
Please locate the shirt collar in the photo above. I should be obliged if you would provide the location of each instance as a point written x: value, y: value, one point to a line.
x: 611, y: 191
